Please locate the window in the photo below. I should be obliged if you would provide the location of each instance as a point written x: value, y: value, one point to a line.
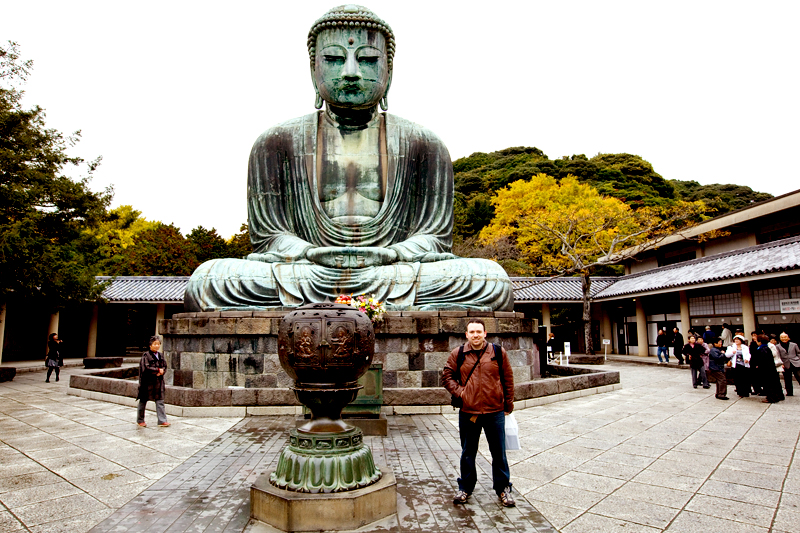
x: 701, y: 305
x: 770, y: 299
x: 728, y: 304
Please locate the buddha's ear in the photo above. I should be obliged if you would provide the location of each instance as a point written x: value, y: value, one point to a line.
x: 385, y: 100
x: 318, y: 100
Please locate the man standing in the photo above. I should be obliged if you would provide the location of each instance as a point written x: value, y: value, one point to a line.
x: 487, y: 396
x: 791, y: 362
x: 677, y: 345
x: 662, y: 342
x: 726, y: 336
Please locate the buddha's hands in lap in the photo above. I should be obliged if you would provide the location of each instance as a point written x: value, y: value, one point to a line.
x: 351, y: 256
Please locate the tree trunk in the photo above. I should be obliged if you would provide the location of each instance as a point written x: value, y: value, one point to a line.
x: 587, y: 313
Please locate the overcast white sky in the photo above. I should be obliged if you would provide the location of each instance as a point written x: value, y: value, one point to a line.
x: 173, y: 94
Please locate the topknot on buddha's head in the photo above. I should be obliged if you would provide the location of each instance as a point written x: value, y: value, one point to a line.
x: 351, y: 16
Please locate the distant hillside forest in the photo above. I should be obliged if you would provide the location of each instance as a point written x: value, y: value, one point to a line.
x: 627, y: 177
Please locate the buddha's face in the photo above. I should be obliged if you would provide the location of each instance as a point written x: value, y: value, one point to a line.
x: 351, y: 67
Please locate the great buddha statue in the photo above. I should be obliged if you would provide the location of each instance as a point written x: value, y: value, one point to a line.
x: 350, y: 200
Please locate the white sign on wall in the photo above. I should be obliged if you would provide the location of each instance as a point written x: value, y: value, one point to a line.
x: 606, y: 341
x: 790, y: 306
x: 566, y: 349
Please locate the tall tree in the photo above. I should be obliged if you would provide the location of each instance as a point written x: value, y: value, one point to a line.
x: 239, y: 245
x: 115, y: 233
x: 568, y: 227
x: 207, y: 244
x: 160, y: 251
x: 44, y: 252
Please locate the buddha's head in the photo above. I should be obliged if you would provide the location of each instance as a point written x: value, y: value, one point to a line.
x: 351, y: 52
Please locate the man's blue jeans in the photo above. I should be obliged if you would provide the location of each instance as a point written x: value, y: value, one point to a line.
x: 494, y: 424
x: 666, y: 353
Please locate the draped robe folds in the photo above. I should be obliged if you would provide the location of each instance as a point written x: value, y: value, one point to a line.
x: 287, y: 219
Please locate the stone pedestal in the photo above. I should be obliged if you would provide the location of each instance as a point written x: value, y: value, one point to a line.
x: 217, y: 350
x: 300, y: 512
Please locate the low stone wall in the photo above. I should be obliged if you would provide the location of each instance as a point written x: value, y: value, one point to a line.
x: 120, y: 383
x: 217, y: 350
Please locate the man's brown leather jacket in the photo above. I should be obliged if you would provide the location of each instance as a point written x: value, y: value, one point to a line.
x: 484, y: 392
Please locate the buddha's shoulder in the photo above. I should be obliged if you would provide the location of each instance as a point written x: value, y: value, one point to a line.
x: 411, y: 129
x: 289, y: 128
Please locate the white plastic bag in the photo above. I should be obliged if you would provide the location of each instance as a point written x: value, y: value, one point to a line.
x: 512, y: 433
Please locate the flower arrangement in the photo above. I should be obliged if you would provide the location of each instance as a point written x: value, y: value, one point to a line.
x: 368, y: 305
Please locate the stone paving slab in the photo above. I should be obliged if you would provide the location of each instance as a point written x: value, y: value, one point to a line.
x: 654, y: 456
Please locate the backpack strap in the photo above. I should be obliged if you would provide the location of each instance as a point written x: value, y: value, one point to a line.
x: 498, y: 354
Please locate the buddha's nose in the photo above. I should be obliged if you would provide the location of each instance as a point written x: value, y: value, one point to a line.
x: 351, y: 70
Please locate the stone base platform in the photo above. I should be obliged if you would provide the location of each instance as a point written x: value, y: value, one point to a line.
x: 217, y: 350
x: 303, y: 512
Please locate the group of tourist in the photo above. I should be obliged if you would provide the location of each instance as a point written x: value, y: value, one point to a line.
x: 756, y: 365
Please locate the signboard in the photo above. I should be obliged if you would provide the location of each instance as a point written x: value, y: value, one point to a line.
x: 606, y: 341
x: 790, y: 306
x: 566, y: 349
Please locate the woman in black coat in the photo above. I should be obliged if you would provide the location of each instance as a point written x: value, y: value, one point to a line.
x: 767, y: 374
x: 151, y: 382
x: 54, y: 359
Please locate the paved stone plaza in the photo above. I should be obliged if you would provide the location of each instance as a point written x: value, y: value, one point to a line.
x: 654, y: 456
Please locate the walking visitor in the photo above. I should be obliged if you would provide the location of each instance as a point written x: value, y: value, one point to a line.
x: 151, y: 382
x: 54, y: 360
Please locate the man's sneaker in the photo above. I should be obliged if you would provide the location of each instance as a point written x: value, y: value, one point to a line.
x: 506, y: 498
x: 461, y: 497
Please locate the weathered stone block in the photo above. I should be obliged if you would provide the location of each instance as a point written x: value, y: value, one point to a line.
x: 198, y: 326
x: 424, y: 325
x: 521, y: 373
x: 198, y: 380
x: 416, y: 361
x: 389, y: 378
x: 207, y: 397
x: 401, y: 325
x: 508, y: 325
x: 266, y: 344
x: 271, y: 363
x: 434, y: 344
x: 395, y: 361
x: 182, y: 378
x: 275, y: 396
x: 284, y: 381
x: 275, y: 326
x: 436, y: 360
x: 525, y: 342
x: 175, y: 395
x: 544, y: 387
x: 221, y: 326
x: 207, y: 314
x: 254, y: 326
x: 269, y: 314
x: 431, y: 378
x: 565, y: 385
x: 406, y: 379
x: 452, y: 325
x: 244, y: 397
x: 472, y: 312
x: 214, y: 380
x: 419, y: 396
x: 517, y: 357
x: 264, y: 381
x: 251, y: 364
x: 236, y: 314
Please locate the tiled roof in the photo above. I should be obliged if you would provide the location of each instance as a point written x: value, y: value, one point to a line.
x: 165, y: 289
x: 778, y: 256
x: 555, y: 289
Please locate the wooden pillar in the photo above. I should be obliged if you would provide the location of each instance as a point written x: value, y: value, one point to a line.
x: 159, y: 317
x: 641, y: 329
x: 686, y: 320
x: 748, y: 309
x: 605, y: 328
x: 546, y: 316
x: 2, y: 328
x: 52, y: 328
x: 91, y: 345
